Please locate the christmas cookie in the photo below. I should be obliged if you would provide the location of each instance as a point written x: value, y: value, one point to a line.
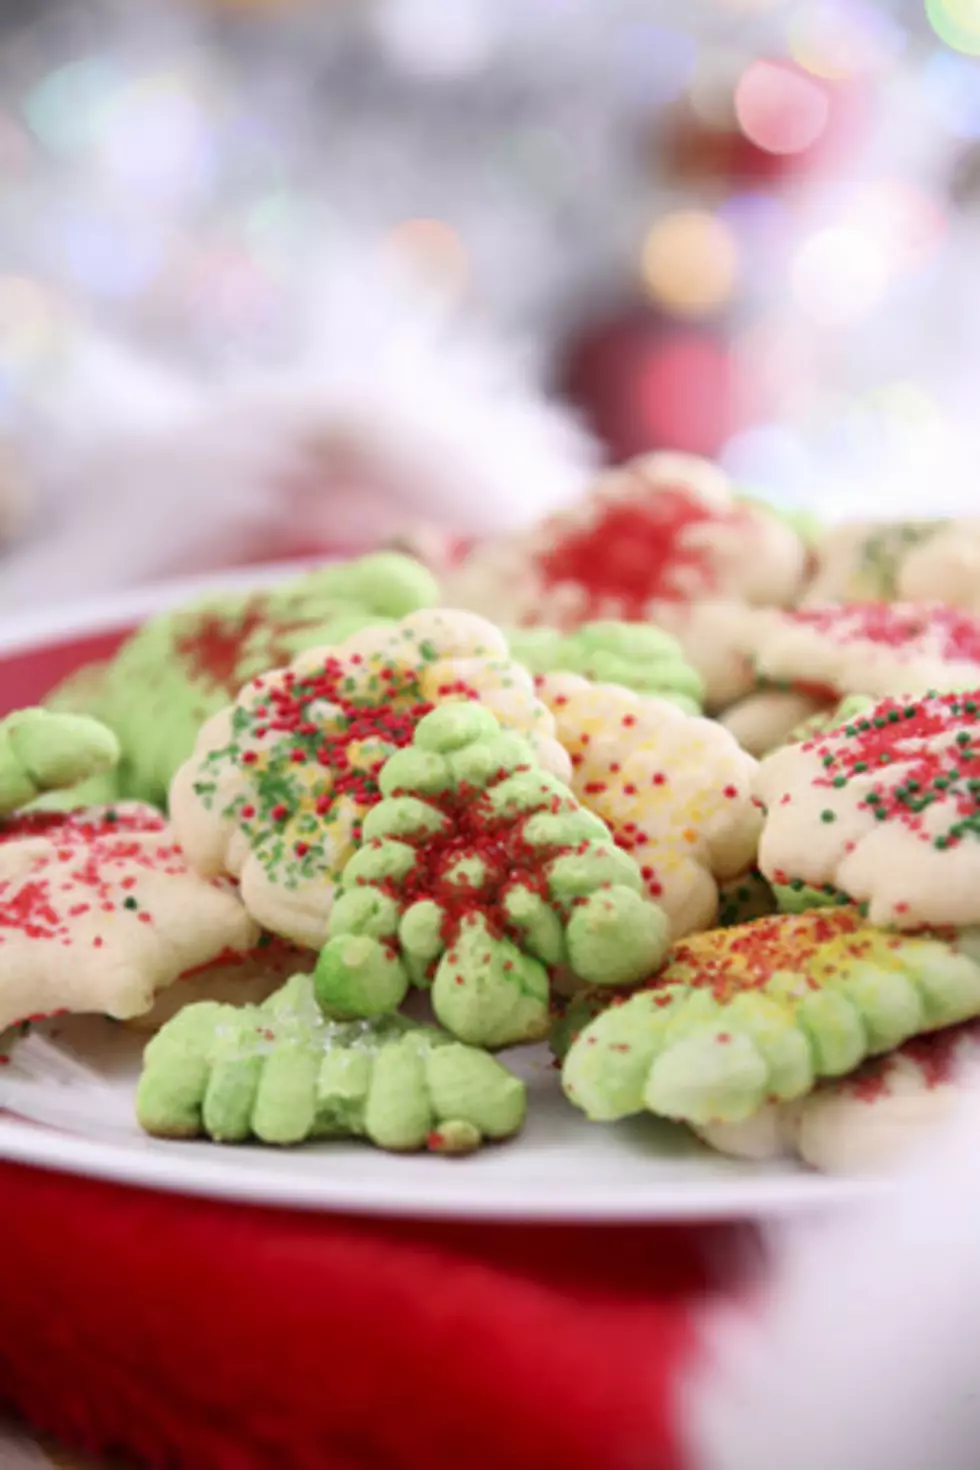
x: 40, y: 752
x: 654, y: 537
x: 765, y: 720
x: 875, y: 649
x: 743, y: 1017
x: 182, y: 667
x: 674, y: 789
x: 865, y: 561
x: 282, y: 1074
x: 945, y: 567
x: 279, y: 784
x: 99, y: 911
x: 870, y: 1119
x: 885, y: 809
x: 635, y: 655
x: 481, y: 876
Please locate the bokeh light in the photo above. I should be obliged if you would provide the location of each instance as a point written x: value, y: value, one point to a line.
x: 63, y: 110
x: 690, y: 263
x: 434, y: 250
x: 780, y: 109
x: 772, y: 459
x: 839, y: 275
x: 155, y: 139
x: 655, y: 63
x: 841, y: 39
x: 957, y: 22
x: 951, y: 86
x: 30, y: 322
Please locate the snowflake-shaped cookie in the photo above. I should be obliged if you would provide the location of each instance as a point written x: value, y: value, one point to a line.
x: 652, y: 540
x: 885, y: 809
x: 99, y: 911
x: 834, y: 649
x: 279, y: 784
x: 675, y: 790
x: 482, y: 876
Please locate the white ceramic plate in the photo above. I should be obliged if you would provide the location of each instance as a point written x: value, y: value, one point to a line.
x: 67, y: 1093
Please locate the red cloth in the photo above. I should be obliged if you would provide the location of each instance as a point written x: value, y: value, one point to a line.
x: 215, y: 1337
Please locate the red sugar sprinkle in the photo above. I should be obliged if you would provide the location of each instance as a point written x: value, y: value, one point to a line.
x: 635, y: 550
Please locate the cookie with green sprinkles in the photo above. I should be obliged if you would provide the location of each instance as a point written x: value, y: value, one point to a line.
x: 867, y: 561
x: 885, y: 809
x: 279, y: 785
x: 742, y: 1018
x: 282, y: 1073
x: 482, y: 878
x: 636, y: 656
x: 42, y: 752
x: 183, y: 666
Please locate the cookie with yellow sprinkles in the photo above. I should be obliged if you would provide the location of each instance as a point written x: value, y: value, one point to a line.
x: 674, y: 789
x: 759, y: 1014
x: 279, y: 784
x: 885, y: 810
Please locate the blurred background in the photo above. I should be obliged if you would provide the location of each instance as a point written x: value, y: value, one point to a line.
x: 276, y: 276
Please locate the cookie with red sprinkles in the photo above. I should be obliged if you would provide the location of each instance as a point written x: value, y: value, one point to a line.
x: 280, y: 782
x: 99, y: 911
x: 870, y: 1119
x: 884, y: 809
x: 183, y: 666
x: 741, y: 1018
x: 481, y: 878
x: 653, y: 537
x: 833, y: 649
x: 675, y: 790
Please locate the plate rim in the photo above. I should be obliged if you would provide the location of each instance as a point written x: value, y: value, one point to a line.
x: 152, y: 1167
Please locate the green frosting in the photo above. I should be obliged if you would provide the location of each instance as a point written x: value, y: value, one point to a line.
x: 762, y: 1015
x: 41, y: 752
x: 282, y: 1073
x: 634, y: 655
x: 182, y: 667
x: 480, y: 874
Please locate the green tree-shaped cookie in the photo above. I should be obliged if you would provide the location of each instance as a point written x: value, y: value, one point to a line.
x: 282, y: 1073
x: 635, y: 655
x: 761, y: 1012
x: 480, y: 874
x: 183, y: 666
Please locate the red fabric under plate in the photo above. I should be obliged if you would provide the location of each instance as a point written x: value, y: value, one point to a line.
x: 201, y: 1336
x: 216, y: 1337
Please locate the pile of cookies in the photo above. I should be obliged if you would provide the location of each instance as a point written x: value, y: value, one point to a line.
x: 685, y: 786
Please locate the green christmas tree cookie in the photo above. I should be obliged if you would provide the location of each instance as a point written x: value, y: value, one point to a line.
x: 480, y: 875
x: 282, y: 1073
x: 43, y: 752
x: 184, y: 666
x: 637, y: 656
x: 760, y: 1013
